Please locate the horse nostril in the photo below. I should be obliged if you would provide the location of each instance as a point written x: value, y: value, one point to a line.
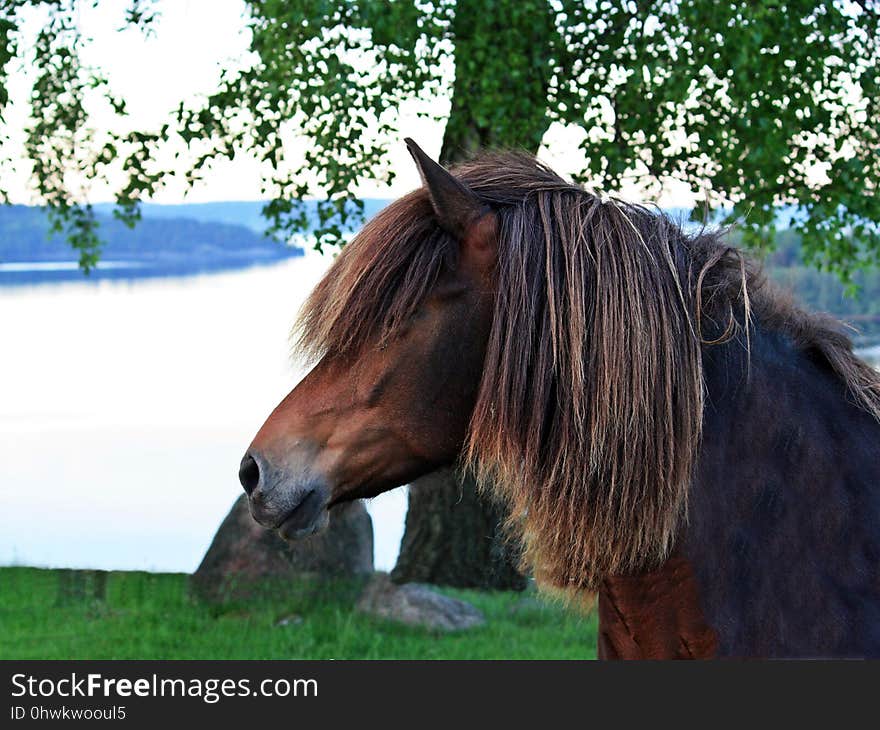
x: 249, y: 474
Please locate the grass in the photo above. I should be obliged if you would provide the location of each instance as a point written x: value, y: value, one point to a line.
x: 55, y: 614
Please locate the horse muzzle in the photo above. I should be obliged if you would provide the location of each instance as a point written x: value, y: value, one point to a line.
x: 285, y: 498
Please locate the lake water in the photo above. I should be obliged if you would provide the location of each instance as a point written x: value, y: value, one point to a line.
x: 871, y: 355
x: 125, y: 408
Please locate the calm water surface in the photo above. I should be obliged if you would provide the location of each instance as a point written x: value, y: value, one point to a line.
x: 125, y: 408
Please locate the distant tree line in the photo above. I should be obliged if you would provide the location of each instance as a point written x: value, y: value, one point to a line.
x: 26, y: 235
x: 858, y: 303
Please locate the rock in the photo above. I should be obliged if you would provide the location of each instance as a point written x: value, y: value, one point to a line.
x: 417, y: 605
x: 453, y: 537
x: 245, y: 557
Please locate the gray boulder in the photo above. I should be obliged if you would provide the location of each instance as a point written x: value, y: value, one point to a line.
x: 244, y: 557
x: 417, y: 605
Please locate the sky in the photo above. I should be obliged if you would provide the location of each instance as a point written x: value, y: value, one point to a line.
x: 194, y: 40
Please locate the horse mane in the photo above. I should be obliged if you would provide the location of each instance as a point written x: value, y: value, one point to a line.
x: 588, y: 418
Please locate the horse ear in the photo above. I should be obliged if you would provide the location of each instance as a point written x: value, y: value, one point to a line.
x: 456, y: 206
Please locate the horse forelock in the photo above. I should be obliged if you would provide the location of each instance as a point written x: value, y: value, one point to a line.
x: 377, y: 282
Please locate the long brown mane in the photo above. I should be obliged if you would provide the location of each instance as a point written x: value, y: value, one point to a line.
x: 588, y: 418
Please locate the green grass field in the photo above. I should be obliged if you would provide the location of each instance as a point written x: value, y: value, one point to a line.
x: 51, y: 614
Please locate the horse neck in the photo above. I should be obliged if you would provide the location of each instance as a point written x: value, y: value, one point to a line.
x: 784, y: 511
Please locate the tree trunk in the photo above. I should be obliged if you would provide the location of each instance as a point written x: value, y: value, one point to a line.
x: 453, y: 535
x: 503, y: 54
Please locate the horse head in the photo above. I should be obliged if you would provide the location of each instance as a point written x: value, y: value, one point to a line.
x: 393, y: 402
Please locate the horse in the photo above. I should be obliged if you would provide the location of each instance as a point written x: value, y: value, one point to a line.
x: 670, y: 433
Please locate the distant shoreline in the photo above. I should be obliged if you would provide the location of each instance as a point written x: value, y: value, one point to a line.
x: 37, y: 273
